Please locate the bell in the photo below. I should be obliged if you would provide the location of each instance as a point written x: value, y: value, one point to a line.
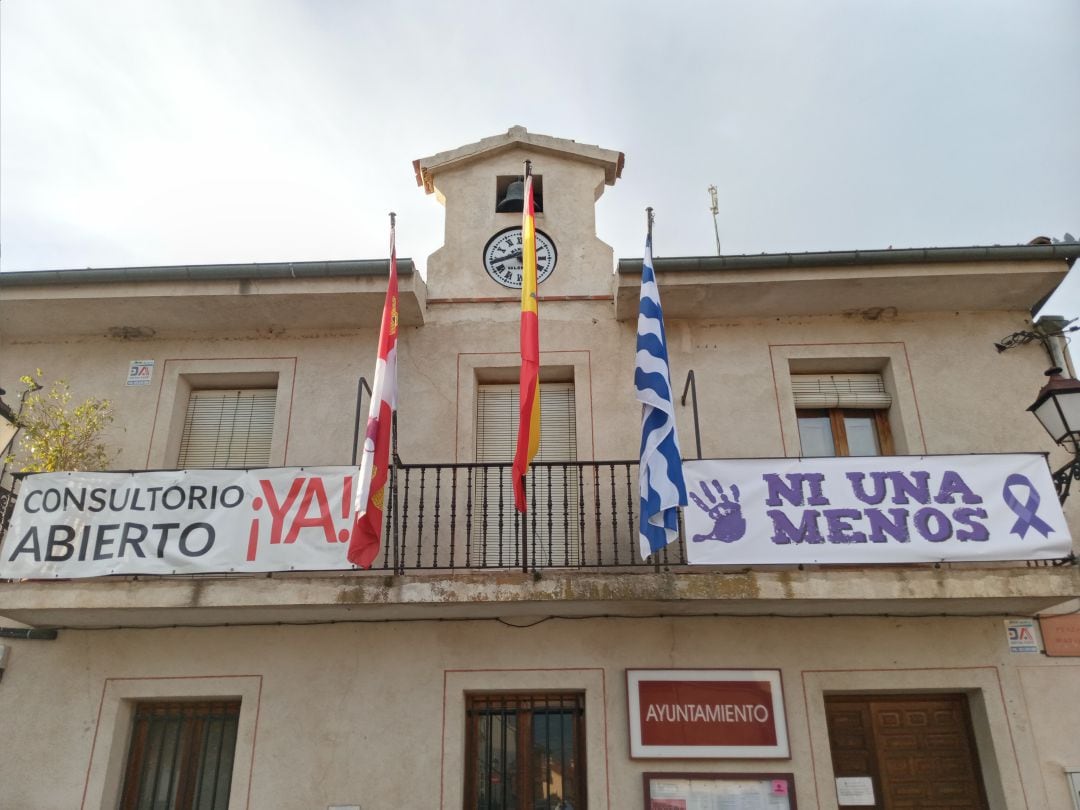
x: 514, y: 200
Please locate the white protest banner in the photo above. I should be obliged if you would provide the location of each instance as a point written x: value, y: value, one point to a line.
x: 70, y: 525
x: 881, y: 509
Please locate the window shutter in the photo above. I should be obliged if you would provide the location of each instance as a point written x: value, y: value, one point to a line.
x: 840, y: 391
x: 228, y: 429
x: 554, y: 492
x: 497, y: 423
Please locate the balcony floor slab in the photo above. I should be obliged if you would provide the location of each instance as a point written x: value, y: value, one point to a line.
x: 305, y: 598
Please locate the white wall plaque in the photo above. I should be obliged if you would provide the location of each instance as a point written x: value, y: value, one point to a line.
x: 140, y: 372
x: 1023, y: 635
x: 855, y: 791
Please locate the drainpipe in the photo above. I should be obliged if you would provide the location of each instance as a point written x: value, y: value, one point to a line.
x: 28, y: 633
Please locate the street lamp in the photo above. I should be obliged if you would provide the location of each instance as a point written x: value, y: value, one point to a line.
x: 1057, y: 407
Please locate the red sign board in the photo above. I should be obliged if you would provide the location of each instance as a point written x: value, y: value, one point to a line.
x: 1061, y: 634
x: 706, y: 713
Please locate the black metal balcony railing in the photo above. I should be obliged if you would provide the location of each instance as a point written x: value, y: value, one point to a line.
x: 582, y: 514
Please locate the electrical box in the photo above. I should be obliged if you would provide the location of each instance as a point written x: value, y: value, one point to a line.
x: 1074, y: 786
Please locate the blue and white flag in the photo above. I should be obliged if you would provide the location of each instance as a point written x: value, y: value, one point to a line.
x: 660, y: 476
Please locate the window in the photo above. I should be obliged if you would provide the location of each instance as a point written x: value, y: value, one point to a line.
x: 181, y: 756
x: 525, y: 752
x: 497, y: 414
x: 228, y: 428
x: 842, y: 414
x: 553, y: 491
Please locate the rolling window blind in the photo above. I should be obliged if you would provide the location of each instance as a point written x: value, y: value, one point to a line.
x: 231, y: 428
x: 553, y: 492
x: 497, y: 423
x: 840, y: 391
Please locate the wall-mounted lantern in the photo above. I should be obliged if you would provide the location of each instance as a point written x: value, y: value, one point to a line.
x: 1057, y: 407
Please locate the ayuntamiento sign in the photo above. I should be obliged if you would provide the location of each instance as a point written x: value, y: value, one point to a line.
x: 865, y: 510
x: 706, y: 713
x: 71, y: 525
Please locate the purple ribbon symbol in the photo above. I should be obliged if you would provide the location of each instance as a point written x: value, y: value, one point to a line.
x: 1025, y: 512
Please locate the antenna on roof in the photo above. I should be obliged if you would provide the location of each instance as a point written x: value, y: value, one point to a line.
x: 715, y: 208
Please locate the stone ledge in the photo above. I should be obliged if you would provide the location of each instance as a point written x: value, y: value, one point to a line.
x: 295, y: 598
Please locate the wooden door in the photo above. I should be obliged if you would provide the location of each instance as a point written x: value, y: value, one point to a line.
x: 918, y: 749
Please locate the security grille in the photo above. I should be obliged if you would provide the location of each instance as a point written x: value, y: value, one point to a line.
x: 181, y: 756
x: 525, y: 752
x: 233, y: 428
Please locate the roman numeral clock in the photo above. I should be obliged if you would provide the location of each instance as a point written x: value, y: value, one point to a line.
x: 502, y: 257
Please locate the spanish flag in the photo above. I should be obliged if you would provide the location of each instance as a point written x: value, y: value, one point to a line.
x: 528, y: 438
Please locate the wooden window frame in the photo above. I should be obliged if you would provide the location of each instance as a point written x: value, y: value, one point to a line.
x: 193, y: 716
x: 839, y: 432
x: 523, y: 705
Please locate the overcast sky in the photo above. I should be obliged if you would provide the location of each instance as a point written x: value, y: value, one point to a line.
x: 144, y: 132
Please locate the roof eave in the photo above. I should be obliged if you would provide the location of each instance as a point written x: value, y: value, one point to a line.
x: 610, y: 160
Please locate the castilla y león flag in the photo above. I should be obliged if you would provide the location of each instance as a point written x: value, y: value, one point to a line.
x: 528, y: 438
x: 375, y: 459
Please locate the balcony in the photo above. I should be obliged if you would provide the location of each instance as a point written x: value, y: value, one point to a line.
x: 454, y: 548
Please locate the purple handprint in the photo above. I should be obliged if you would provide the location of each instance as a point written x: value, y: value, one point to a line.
x: 729, y: 524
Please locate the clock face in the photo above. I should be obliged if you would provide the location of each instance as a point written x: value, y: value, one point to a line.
x: 502, y: 257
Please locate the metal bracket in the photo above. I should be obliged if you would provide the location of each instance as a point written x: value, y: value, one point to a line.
x: 691, y: 386
x: 1064, y: 477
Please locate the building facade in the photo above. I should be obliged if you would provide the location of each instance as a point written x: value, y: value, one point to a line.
x: 486, y: 664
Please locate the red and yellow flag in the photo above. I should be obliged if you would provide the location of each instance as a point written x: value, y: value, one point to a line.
x: 528, y: 438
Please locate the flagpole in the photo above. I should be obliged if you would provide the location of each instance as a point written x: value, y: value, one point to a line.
x: 661, y: 483
x: 373, y: 509
x: 394, y: 460
x: 524, y: 532
x: 525, y: 515
x: 649, y: 218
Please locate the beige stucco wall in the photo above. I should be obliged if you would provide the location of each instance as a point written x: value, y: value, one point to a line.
x: 319, y: 377
x: 372, y: 714
x: 963, y: 396
x: 953, y: 392
x: 1049, y: 696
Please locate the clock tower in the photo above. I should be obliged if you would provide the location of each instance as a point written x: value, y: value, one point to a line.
x: 480, y: 186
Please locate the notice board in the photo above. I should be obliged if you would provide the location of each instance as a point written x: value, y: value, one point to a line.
x: 719, y: 791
